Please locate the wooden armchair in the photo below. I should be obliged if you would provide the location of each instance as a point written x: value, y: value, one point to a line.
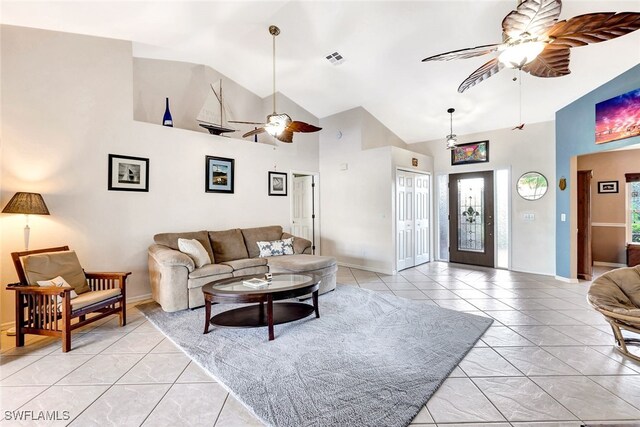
x: 39, y: 311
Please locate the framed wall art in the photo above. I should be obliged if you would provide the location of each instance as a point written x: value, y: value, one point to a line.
x: 618, y: 118
x: 473, y: 152
x: 128, y: 173
x: 277, y: 184
x: 607, y: 186
x: 220, y: 173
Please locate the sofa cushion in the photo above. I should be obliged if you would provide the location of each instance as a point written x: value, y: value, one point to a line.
x: 171, y: 240
x: 93, y: 297
x: 228, y: 245
x: 300, y: 263
x: 259, y: 234
x: 239, y: 264
x: 195, y: 250
x: 210, y: 270
x: 51, y: 264
x: 300, y: 245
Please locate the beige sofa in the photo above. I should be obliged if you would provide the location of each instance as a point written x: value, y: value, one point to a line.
x: 176, y: 282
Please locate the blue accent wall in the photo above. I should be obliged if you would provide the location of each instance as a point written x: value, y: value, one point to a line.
x: 575, y: 136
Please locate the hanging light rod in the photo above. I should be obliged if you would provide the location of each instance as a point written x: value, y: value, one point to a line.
x: 452, y: 139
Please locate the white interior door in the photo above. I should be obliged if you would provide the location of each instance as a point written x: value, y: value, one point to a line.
x: 423, y: 218
x: 302, y: 208
x: 405, y: 223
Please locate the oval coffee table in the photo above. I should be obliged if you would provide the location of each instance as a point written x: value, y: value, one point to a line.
x: 283, y: 286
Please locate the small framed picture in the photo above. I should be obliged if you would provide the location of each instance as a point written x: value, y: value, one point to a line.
x: 220, y: 173
x: 474, y: 152
x: 277, y: 184
x: 128, y: 173
x: 607, y: 186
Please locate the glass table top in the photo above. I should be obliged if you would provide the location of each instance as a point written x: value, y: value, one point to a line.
x: 278, y: 282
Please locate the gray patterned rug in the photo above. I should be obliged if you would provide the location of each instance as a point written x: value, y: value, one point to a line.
x: 371, y: 359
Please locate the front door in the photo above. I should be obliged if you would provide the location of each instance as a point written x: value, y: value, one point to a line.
x: 471, y: 223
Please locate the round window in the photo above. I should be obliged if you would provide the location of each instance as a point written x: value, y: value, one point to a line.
x: 532, y: 186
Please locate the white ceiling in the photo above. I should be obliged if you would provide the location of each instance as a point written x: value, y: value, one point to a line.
x: 383, y: 43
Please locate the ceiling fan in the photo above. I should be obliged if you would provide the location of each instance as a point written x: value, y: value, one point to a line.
x: 536, y: 42
x: 278, y: 125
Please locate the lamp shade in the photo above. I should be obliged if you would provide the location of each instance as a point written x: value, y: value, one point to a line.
x: 26, y: 203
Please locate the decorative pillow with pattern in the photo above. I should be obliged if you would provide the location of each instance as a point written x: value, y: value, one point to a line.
x: 60, y: 283
x: 287, y: 246
x: 276, y: 247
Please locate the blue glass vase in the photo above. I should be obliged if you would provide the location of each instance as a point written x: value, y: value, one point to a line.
x: 167, y: 120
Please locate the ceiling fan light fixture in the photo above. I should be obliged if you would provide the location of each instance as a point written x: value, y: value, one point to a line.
x: 277, y: 123
x: 521, y: 53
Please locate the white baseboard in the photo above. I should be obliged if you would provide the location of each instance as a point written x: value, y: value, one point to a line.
x: 608, y: 264
x: 360, y: 267
x: 6, y: 325
x: 529, y: 272
x: 566, y: 279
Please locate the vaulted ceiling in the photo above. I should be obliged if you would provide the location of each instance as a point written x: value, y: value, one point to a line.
x: 383, y: 43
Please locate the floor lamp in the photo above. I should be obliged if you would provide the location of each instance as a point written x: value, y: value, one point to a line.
x: 27, y: 204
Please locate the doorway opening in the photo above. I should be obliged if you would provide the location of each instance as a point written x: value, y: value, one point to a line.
x: 305, y: 198
x: 413, y: 218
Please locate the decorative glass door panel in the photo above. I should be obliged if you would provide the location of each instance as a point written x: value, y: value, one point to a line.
x: 471, y: 218
x: 471, y: 215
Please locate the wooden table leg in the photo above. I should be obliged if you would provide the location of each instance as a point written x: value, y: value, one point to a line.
x: 261, y: 311
x: 270, y: 317
x: 207, y: 315
x: 315, y: 303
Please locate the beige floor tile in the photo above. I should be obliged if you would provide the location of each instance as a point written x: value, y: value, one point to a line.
x: 234, y: 414
x: 588, y: 361
x: 519, y: 399
x: 458, y: 400
x: 194, y: 374
x: 485, y: 362
x: 11, y: 398
x: 156, y: 368
x: 188, y: 405
x: 625, y: 387
x: 535, y: 361
x: 9, y: 365
x: 102, y: 369
x: 46, y: 371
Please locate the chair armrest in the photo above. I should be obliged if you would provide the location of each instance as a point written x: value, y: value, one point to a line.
x: 300, y: 245
x: 170, y: 257
x: 101, y: 281
x: 42, y: 290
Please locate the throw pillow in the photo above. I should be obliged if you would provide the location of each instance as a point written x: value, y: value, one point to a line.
x: 60, y: 283
x: 195, y: 250
x: 276, y: 247
x: 287, y: 246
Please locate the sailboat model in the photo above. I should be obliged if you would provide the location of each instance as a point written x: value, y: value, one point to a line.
x: 211, y: 116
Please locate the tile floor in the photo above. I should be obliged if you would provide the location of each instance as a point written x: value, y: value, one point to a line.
x: 547, y: 360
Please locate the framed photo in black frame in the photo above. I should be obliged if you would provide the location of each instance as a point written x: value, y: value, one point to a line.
x: 219, y: 175
x: 473, y: 152
x: 607, y: 187
x: 127, y: 173
x: 277, y: 184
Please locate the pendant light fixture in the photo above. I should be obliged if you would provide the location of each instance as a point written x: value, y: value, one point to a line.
x: 452, y: 139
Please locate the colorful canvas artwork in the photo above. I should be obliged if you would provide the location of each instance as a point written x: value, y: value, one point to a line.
x: 618, y: 118
x: 475, y: 152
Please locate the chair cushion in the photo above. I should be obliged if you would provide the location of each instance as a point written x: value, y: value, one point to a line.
x: 239, y: 264
x: 300, y: 263
x: 58, y: 282
x: 92, y: 297
x: 65, y: 264
x: 228, y: 245
x: 195, y: 250
x: 171, y: 240
x: 258, y: 234
x: 210, y: 270
x: 617, y: 291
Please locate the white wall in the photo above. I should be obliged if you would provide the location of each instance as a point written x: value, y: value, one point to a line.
x: 67, y: 102
x: 357, y: 202
x: 532, y: 149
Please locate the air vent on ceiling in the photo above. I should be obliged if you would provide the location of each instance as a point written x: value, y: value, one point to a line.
x: 335, y: 58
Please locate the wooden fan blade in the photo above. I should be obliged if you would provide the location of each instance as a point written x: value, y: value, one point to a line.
x: 464, y: 53
x: 550, y: 63
x: 582, y: 30
x: 533, y: 17
x: 246, y: 123
x: 285, y: 136
x: 482, y: 73
x: 297, y: 126
x: 253, y: 132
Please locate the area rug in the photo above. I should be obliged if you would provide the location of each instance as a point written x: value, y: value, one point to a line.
x: 371, y: 359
